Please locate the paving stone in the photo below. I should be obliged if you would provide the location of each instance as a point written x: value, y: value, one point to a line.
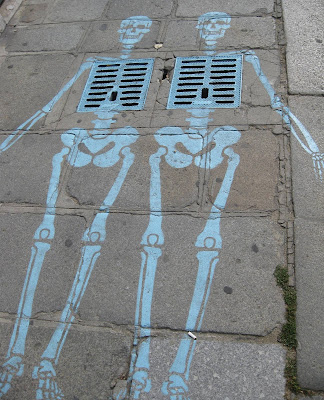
x: 304, y: 46
x: 134, y: 194
x: 221, y: 370
x: 307, y: 189
x: 252, y: 247
x: 30, y: 14
x: 104, y: 36
x: 245, y: 32
x: 253, y: 188
x: 27, y: 2
x: 310, y: 323
x: 243, y: 299
x: 27, y: 167
x: 46, y: 37
x: 59, y: 266
x: 76, y: 10
x: 248, y: 32
x: 152, y: 9
x: 28, y: 84
x: 90, y: 362
x: 182, y: 35
x: 192, y: 8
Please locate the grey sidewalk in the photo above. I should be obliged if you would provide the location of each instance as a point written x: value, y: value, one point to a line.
x: 305, y: 60
x: 237, y: 355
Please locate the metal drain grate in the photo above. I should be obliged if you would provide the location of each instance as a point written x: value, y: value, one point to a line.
x: 122, y: 83
x: 206, y: 82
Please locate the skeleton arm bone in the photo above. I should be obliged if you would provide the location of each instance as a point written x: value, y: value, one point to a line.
x: 24, y: 127
x: 310, y: 147
x: 279, y: 107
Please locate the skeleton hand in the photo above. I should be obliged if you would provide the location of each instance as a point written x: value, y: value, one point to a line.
x: 140, y: 383
x: 12, y: 367
x: 318, y: 162
x: 47, y: 387
x: 175, y: 388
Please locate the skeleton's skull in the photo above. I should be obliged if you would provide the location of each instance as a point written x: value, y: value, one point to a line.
x: 212, y: 26
x: 133, y: 29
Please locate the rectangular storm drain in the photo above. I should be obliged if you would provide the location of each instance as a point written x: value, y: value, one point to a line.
x: 122, y: 83
x: 206, y: 82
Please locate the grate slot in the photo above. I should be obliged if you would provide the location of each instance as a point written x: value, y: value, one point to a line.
x: 193, y: 61
x: 108, y: 65
x: 136, y: 63
x: 206, y: 82
x: 106, y: 70
x: 123, y: 84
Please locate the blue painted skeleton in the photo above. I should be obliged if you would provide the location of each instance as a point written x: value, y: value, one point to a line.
x: 212, y: 26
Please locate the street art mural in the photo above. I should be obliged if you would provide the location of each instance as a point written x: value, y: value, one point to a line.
x: 200, y: 85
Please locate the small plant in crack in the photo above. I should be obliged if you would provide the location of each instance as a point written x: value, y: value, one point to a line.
x: 288, y: 332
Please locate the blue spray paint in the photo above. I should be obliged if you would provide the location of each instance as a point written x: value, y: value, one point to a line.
x: 212, y: 26
x: 132, y: 30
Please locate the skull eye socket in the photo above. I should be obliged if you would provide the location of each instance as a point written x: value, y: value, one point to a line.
x: 140, y: 26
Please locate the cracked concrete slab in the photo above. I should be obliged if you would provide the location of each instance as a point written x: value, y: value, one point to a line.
x: 310, y: 322
x: 304, y: 46
x: 75, y: 10
x: 308, y: 193
x: 245, y: 32
x: 252, y: 189
x: 222, y: 370
x: 308, y: 190
x: 29, y: 82
x: 153, y: 9
x: 27, y: 167
x: 181, y: 35
x: 30, y: 14
x: 192, y: 8
x: 182, y: 188
x: 134, y: 193
x: 250, y: 33
x: 59, y: 267
x: 46, y: 37
x: 104, y: 36
x: 244, y: 298
x: 90, y: 363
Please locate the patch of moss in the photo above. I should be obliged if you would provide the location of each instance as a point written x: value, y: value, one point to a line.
x: 288, y: 333
x: 291, y: 375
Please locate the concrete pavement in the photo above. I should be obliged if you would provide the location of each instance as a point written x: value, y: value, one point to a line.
x: 164, y: 281
x: 306, y: 87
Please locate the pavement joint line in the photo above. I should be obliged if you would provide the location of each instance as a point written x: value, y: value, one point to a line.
x: 154, y: 19
x: 244, y: 128
x: 148, y: 52
x: 194, y: 214
x: 47, y: 319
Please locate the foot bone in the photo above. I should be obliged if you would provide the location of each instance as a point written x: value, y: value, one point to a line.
x: 140, y: 383
x: 175, y: 388
x: 12, y: 367
x: 47, y: 386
